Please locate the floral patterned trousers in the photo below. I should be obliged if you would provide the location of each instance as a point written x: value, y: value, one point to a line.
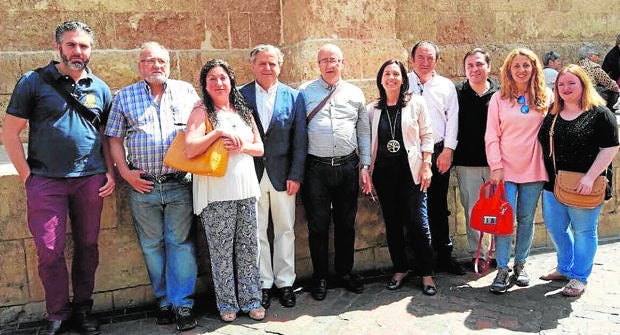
x: 231, y: 230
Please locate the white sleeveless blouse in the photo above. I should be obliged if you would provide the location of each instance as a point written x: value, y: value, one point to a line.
x: 240, y: 181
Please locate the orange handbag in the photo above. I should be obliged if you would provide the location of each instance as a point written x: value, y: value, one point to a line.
x: 213, y: 162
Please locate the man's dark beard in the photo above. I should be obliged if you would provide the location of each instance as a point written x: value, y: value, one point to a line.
x: 74, y: 65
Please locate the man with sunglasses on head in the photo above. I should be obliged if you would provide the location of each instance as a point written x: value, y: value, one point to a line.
x: 68, y: 171
x: 146, y: 116
x: 441, y: 99
x: 338, y: 155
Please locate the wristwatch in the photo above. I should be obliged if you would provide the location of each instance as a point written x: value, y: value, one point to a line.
x: 428, y: 161
x: 365, y: 167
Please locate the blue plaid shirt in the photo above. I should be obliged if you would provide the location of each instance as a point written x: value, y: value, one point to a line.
x: 150, y: 128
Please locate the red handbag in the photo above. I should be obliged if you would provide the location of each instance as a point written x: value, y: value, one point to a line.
x: 491, y: 214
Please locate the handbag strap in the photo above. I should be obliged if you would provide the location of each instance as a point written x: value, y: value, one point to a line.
x: 551, y: 151
x: 321, y: 104
x: 82, y: 110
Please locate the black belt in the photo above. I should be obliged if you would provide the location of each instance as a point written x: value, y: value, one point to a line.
x: 164, y: 178
x: 333, y: 161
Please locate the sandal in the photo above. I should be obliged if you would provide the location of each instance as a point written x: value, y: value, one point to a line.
x: 554, y: 275
x: 257, y: 313
x: 574, y: 288
x: 228, y: 316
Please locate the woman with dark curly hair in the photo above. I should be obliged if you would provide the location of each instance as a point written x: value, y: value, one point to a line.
x: 227, y: 204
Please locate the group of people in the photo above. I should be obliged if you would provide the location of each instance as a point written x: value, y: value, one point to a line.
x: 322, y: 135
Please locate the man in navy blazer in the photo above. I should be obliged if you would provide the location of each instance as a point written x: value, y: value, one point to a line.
x: 280, y: 116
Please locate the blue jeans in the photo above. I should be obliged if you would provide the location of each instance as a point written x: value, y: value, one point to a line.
x: 574, y: 234
x: 523, y: 198
x: 163, y: 219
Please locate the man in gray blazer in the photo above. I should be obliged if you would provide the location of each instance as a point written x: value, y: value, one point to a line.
x: 279, y: 114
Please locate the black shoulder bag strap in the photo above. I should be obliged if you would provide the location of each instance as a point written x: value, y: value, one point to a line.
x: 321, y: 104
x: 84, y: 111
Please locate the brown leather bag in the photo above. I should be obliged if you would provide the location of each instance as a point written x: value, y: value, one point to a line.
x: 566, y: 183
x: 564, y: 190
x: 213, y: 162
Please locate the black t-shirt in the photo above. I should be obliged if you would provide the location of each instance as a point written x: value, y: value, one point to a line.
x: 385, y: 134
x: 577, y: 142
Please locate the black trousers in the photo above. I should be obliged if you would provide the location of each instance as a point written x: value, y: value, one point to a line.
x: 438, y: 212
x: 405, y: 215
x: 331, y: 192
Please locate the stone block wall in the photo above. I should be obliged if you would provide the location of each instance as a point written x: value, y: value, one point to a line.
x: 369, y: 32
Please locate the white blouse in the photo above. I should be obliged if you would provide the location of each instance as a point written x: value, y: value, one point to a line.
x: 240, y: 181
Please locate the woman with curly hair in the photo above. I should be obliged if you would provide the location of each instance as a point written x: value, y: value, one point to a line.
x: 515, y: 155
x: 227, y: 205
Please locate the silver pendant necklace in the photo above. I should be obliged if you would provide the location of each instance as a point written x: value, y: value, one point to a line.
x: 393, y: 145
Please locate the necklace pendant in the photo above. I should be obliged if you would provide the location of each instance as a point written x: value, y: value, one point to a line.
x: 393, y: 146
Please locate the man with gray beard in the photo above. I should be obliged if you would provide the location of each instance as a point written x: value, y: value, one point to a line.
x: 149, y: 114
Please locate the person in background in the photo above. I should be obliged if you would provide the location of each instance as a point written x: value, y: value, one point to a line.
x: 279, y: 114
x: 470, y: 159
x: 589, y: 56
x: 441, y: 100
x: 585, y: 139
x: 514, y: 155
x: 402, y: 146
x: 145, y: 118
x: 227, y: 204
x: 338, y: 142
x: 68, y: 171
x: 611, y: 63
x: 552, y: 63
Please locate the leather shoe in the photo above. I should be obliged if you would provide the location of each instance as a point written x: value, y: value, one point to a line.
x: 165, y: 316
x: 185, y: 319
x: 395, y: 284
x: 266, y: 301
x: 429, y: 289
x: 287, y: 296
x: 55, y: 327
x: 449, y: 265
x: 319, y: 290
x: 351, y: 282
x: 84, y: 320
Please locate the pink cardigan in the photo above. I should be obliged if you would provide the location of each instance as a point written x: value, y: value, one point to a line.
x: 512, y: 141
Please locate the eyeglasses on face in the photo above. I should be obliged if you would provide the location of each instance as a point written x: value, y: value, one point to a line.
x: 154, y: 61
x: 330, y: 61
x: 524, y: 108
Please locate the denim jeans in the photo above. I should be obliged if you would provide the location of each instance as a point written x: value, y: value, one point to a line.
x: 523, y: 198
x: 163, y: 219
x: 574, y: 234
x: 49, y: 202
x: 331, y: 191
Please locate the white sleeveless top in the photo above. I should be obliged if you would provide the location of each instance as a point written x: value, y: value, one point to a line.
x: 240, y: 181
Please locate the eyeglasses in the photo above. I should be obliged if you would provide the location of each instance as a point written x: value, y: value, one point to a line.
x: 154, y: 61
x: 330, y: 61
x: 524, y: 108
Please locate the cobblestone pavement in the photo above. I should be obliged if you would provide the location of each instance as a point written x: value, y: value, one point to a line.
x: 463, y: 306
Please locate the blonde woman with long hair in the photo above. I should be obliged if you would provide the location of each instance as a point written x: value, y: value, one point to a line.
x: 585, y: 139
x: 515, y: 156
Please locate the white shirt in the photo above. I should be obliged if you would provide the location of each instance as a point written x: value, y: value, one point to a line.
x: 442, y: 102
x: 265, y: 100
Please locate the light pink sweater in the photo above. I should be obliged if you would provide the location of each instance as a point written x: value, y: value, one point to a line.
x: 512, y: 141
